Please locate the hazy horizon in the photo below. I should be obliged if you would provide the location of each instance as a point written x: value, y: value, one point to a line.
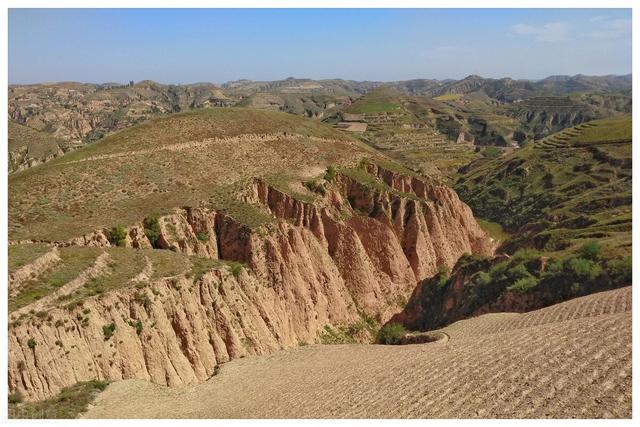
x: 124, y: 83
x: 186, y: 46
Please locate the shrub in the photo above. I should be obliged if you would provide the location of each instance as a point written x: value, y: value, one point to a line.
x: 315, y: 187
x: 330, y: 174
x: 152, y: 230
x: 524, y: 285
x: 335, y: 336
x: 391, y: 333
x: 108, y: 330
x: 491, y: 152
x: 482, y: 278
x: 584, y: 269
x: 236, y: 268
x: 620, y: 271
x: 15, y: 398
x: 442, y: 276
x: 31, y: 343
x: 203, y: 236
x: 117, y: 235
x: 590, y: 250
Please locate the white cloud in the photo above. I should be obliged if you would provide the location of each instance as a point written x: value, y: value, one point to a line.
x: 549, y: 32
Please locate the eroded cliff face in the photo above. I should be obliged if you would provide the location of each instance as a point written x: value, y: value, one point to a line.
x: 359, y: 249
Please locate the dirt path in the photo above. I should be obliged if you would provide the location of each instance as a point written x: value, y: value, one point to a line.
x: 568, y: 360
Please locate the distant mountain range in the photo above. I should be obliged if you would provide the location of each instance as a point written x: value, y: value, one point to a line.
x: 85, y: 112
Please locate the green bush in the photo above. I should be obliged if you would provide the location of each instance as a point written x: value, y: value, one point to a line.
x: 330, y: 174
x: 590, y: 250
x: 236, y: 268
x: 117, y: 235
x: 31, y: 343
x: 391, y: 333
x: 108, y: 330
x: 584, y: 269
x: 491, y: 152
x: 442, y: 276
x: 524, y: 285
x: 203, y: 236
x: 152, y: 230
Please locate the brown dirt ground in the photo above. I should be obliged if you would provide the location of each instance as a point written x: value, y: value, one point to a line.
x: 571, y: 360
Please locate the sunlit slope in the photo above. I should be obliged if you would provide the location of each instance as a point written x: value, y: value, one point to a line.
x: 201, y: 158
x: 570, y: 186
x: 571, y: 360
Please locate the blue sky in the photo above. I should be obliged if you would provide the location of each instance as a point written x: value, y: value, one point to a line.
x: 217, y: 45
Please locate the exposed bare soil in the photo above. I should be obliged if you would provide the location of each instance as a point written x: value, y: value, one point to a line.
x: 571, y: 360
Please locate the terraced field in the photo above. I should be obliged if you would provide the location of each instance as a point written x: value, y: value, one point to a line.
x: 558, y: 192
x: 571, y: 360
x: 68, y: 275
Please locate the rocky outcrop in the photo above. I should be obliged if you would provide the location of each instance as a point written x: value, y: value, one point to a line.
x: 359, y: 249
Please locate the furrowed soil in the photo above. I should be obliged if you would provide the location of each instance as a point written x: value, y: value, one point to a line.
x: 570, y: 360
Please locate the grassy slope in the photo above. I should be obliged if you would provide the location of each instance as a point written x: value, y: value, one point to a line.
x: 123, y: 265
x: 39, y: 145
x: 382, y: 100
x: 562, y: 190
x: 69, y: 403
x: 413, y: 130
x: 74, y: 194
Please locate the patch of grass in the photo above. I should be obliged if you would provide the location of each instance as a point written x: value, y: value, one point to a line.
x: 15, y: 398
x: 68, y: 404
x: 52, y: 202
x: 74, y: 260
x: 448, y: 97
x: 199, y: 266
x: 494, y: 229
x: 363, y: 330
x: 21, y: 255
x: 167, y: 263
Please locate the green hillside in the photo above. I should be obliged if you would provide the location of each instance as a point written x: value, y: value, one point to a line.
x: 174, y: 161
x: 556, y: 193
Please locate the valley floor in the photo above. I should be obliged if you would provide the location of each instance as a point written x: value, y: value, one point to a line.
x: 571, y: 360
